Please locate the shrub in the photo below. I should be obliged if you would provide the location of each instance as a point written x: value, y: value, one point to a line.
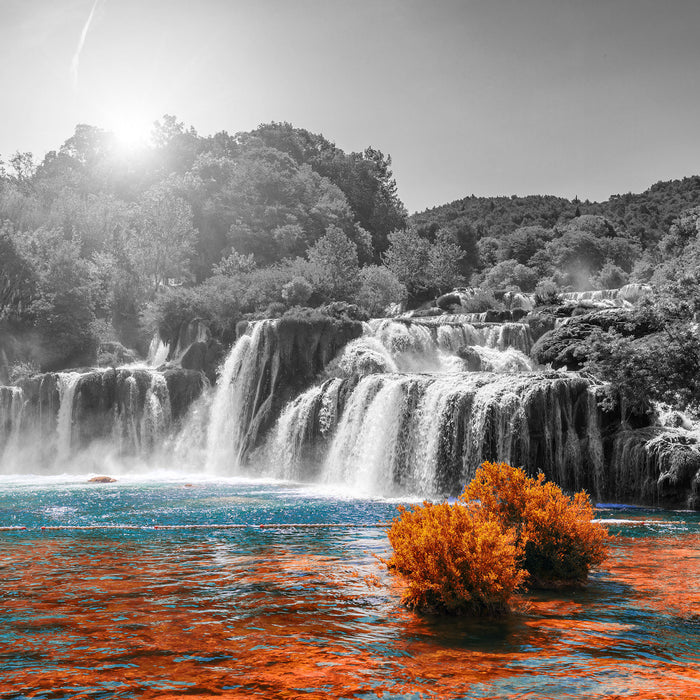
x: 547, y: 293
x: 506, y: 529
x: 22, y: 370
x: 456, y: 559
x: 557, y: 539
x: 610, y: 276
x: 477, y: 301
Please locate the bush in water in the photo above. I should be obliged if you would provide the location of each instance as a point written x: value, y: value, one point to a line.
x: 505, y: 530
x: 557, y: 540
x: 456, y: 559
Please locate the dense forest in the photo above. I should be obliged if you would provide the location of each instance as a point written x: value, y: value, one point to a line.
x: 101, y: 247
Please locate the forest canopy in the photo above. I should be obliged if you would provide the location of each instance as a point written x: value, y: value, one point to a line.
x: 98, y: 244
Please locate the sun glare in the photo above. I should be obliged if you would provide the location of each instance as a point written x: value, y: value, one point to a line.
x: 131, y: 130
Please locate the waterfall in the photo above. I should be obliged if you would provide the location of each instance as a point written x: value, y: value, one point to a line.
x: 426, y: 434
x: 156, y: 413
x: 85, y: 419
x: 11, y: 405
x: 157, y: 352
x: 392, y: 407
x: 289, y: 435
x: 363, y: 450
x: 67, y: 383
x: 230, y: 409
x: 626, y: 296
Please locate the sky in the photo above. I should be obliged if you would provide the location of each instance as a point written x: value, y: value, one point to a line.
x: 582, y: 98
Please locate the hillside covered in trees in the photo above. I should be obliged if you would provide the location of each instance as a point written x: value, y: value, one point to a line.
x: 520, y: 241
x: 100, y: 247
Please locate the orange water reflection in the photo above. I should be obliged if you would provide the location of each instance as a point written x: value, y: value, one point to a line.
x: 167, y: 619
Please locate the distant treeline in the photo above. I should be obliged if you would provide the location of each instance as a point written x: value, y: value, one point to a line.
x: 578, y: 244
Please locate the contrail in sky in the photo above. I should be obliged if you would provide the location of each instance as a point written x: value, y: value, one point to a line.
x: 76, y: 56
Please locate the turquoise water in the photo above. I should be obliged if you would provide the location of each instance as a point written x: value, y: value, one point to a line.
x: 131, y: 610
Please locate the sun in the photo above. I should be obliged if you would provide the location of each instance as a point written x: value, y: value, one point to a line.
x: 131, y: 129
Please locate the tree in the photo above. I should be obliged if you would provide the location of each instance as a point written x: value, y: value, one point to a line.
x: 664, y: 363
x: 365, y: 178
x: 335, y: 257
x: 523, y: 243
x: 234, y: 264
x: 510, y: 274
x: 62, y: 308
x: 379, y: 287
x: 297, y: 291
x: 408, y: 257
x: 163, y: 243
x: 17, y: 277
x: 23, y: 167
x: 611, y: 277
x: 443, y: 263
x: 684, y: 230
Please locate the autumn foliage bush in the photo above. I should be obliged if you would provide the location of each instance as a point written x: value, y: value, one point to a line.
x: 456, y: 559
x: 557, y: 539
x: 506, y: 530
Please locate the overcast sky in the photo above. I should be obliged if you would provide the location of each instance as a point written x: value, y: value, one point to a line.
x: 569, y: 97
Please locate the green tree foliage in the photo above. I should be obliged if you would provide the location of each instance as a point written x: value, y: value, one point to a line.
x: 163, y: 244
x: 407, y: 257
x: 510, y: 274
x: 379, y: 287
x: 17, y: 278
x: 423, y: 267
x: 335, y: 257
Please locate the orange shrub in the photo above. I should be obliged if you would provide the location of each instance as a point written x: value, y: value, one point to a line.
x: 456, y: 559
x: 555, y: 535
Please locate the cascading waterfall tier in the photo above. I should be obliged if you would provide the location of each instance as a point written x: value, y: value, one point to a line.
x: 394, y: 434
x: 233, y: 401
x: 390, y: 345
x: 53, y: 417
x: 271, y: 363
x: 390, y: 407
x: 11, y: 405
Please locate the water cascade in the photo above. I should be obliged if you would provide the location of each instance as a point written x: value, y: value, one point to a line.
x: 232, y: 404
x: 130, y: 411
x: 426, y: 434
x: 390, y: 407
x: 67, y: 383
x: 157, y: 352
x: 11, y: 404
x: 414, y: 406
